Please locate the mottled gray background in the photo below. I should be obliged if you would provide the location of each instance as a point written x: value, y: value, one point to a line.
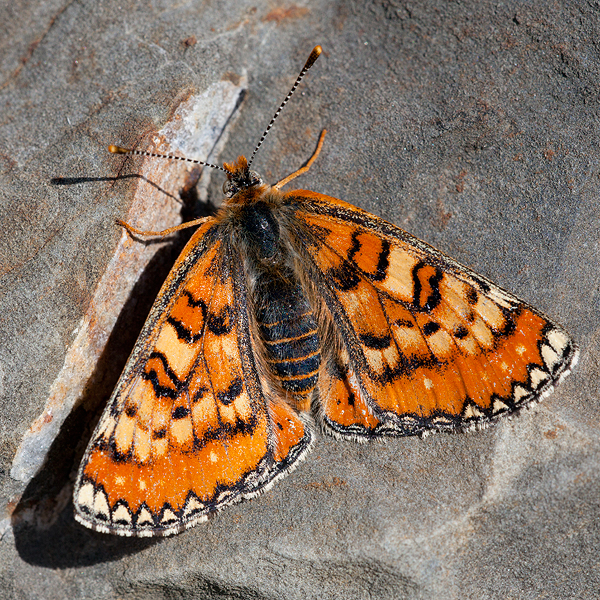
x: 472, y: 124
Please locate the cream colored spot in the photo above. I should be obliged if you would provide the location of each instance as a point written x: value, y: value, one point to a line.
x: 472, y: 412
x: 410, y: 340
x: 520, y: 392
x: 120, y: 480
x: 106, y: 427
x: 168, y: 517
x: 243, y: 407
x: 399, y: 281
x: 499, y: 406
x: 192, y: 506
x: 145, y: 517
x: 558, y: 339
x: 440, y: 344
x: 504, y: 366
x: 551, y: 358
x: 121, y: 514
x: 468, y: 345
x: 428, y: 383
x: 223, y: 349
x: 239, y: 408
x: 163, y: 412
x: 205, y: 414
x: 179, y: 354
x: 227, y: 413
x: 520, y: 349
x: 124, y: 434
x: 181, y: 431
x: 85, y: 498
x: 490, y: 312
x: 537, y: 377
x: 363, y: 309
x: 379, y: 359
x: 160, y: 447
x: 482, y: 333
x: 142, y: 485
x: 101, y: 504
x: 454, y: 295
x: 213, y: 456
x: 230, y: 347
x: 146, y: 401
x: 446, y: 316
x: 343, y: 356
x: 141, y: 444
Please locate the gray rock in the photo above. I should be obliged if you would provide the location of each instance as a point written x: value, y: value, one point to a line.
x: 470, y: 124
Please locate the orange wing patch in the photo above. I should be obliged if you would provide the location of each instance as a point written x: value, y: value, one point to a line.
x: 431, y: 345
x: 342, y: 405
x: 189, y: 428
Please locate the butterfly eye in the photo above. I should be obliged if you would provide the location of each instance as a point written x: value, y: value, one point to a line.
x: 255, y: 178
x: 229, y: 189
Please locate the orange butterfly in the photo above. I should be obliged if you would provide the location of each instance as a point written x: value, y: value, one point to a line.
x: 287, y: 301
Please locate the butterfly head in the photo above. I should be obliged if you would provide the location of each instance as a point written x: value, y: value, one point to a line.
x: 240, y: 178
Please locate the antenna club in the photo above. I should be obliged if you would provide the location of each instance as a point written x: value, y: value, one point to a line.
x: 317, y: 50
x: 118, y: 150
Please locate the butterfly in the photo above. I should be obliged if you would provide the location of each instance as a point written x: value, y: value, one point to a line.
x: 285, y: 304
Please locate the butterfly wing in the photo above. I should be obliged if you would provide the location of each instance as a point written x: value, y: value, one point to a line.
x: 424, y: 343
x: 191, y: 426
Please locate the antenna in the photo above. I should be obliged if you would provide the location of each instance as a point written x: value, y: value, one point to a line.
x: 316, y: 52
x: 129, y: 151
x: 309, y: 63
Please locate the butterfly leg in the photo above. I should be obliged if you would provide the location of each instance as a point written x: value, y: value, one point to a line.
x: 306, y: 167
x: 134, y: 231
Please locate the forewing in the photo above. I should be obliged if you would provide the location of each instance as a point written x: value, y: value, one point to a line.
x: 424, y: 342
x: 189, y: 428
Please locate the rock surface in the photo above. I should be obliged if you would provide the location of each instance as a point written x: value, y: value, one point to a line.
x: 473, y: 125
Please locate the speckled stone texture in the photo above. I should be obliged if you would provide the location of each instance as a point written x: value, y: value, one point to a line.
x: 473, y: 125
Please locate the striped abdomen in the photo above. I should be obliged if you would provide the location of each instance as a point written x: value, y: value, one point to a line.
x: 285, y: 318
x: 289, y: 332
